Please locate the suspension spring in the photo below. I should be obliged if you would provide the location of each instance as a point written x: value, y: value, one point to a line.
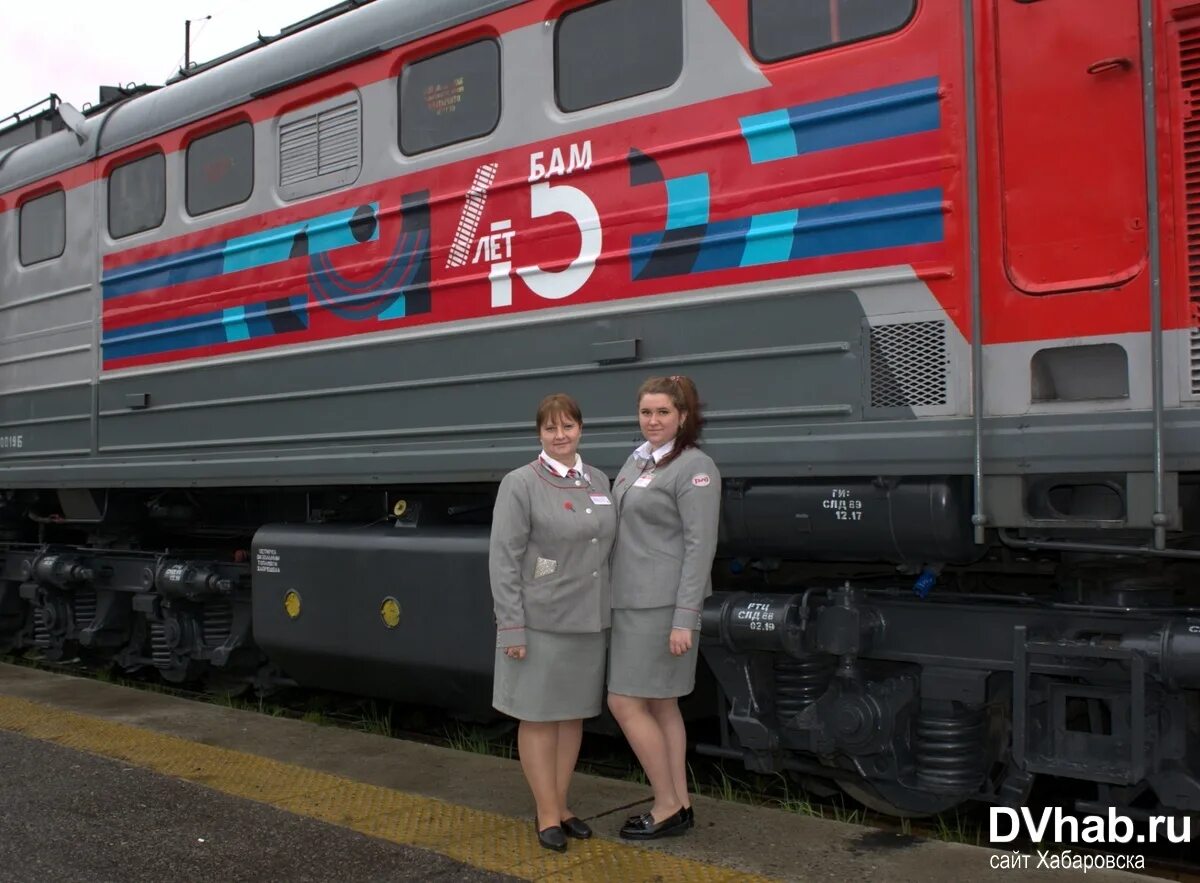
x: 41, y: 632
x: 84, y: 604
x: 800, y: 682
x: 160, y: 653
x: 218, y: 622
x: 949, y: 750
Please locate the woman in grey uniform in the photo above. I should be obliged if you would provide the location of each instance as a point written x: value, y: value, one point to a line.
x: 668, y: 497
x: 552, y: 530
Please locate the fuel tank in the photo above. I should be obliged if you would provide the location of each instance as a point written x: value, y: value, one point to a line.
x: 399, y: 613
x: 904, y: 521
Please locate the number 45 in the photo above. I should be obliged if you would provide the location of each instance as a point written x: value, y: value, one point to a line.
x: 545, y: 200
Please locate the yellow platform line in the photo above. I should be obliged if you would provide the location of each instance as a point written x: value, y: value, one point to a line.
x: 485, y: 840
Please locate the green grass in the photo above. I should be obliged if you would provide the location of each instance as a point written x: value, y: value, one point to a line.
x: 376, y: 721
x: 474, y: 740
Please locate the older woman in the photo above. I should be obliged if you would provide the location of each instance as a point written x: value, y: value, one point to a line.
x: 552, y: 531
x: 668, y: 496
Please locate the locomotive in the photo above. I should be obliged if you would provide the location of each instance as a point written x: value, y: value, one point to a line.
x: 271, y: 334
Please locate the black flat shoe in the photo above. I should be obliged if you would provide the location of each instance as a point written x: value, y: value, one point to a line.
x: 645, y: 827
x: 577, y: 828
x: 691, y: 817
x: 553, y: 838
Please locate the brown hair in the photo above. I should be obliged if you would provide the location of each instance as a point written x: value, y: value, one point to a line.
x: 559, y: 405
x: 683, y: 395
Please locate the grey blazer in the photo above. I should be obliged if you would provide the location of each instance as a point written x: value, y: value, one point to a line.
x: 548, y: 557
x: 667, y: 535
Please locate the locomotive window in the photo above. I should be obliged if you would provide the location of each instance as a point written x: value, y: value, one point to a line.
x: 43, y: 228
x: 220, y: 169
x: 782, y: 29
x: 617, y: 49
x: 137, y: 196
x: 451, y: 97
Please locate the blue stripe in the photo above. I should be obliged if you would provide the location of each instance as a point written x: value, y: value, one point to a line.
x: 723, y: 246
x: 325, y: 233
x: 892, y: 221
x: 209, y: 329
x: 687, y: 202
x: 874, y: 115
x: 184, y: 266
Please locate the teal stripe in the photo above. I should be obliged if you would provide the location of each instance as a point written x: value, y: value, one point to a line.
x: 687, y: 202
x: 236, y: 327
x: 769, y: 136
x: 770, y: 238
x: 395, y: 311
x: 325, y: 233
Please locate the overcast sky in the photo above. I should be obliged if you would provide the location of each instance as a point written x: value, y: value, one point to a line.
x: 72, y: 47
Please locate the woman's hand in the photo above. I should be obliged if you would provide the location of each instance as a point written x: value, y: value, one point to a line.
x: 517, y: 652
x: 680, y: 641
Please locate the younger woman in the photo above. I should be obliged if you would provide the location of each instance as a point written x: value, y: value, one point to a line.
x: 668, y: 496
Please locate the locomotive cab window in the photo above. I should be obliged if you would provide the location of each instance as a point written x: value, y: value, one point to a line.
x: 782, y: 29
x: 220, y: 169
x: 450, y: 97
x: 617, y: 49
x: 43, y: 228
x: 137, y: 196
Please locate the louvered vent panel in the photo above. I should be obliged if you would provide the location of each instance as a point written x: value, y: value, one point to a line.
x: 298, y: 151
x: 1189, y: 110
x: 338, y: 139
x: 909, y: 365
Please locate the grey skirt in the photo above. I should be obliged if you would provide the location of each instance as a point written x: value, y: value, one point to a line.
x: 639, y: 658
x: 561, y: 677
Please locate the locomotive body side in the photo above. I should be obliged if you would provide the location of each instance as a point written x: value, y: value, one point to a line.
x: 311, y: 291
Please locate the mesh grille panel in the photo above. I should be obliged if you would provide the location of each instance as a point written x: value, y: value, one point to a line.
x: 1189, y: 125
x: 909, y: 364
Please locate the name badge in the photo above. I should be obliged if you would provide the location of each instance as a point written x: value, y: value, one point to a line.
x: 644, y: 479
x: 600, y: 500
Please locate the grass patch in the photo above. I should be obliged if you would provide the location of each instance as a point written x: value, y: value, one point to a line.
x: 475, y: 740
x: 376, y: 720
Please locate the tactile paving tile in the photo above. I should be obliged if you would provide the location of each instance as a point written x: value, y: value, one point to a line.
x: 485, y: 840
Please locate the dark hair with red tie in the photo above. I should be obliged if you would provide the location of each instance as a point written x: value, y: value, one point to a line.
x: 684, y: 396
x: 556, y: 406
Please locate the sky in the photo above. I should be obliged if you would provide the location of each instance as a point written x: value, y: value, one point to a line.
x: 72, y: 47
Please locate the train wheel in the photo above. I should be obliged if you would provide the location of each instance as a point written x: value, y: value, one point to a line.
x: 894, y: 799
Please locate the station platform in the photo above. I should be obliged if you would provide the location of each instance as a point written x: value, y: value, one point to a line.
x: 102, y: 782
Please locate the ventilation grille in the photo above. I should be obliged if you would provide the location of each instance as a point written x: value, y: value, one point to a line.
x: 909, y: 365
x: 1189, y: 125
x: 320, y: 144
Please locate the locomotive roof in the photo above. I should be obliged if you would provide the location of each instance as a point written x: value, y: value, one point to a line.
x: 374, y: 27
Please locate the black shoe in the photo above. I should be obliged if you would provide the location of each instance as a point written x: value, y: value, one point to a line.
x: 633, y: 820
x: 691, y: 817
x: 645, y: 827
x: 577, y: 828
x: 553, y: 838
